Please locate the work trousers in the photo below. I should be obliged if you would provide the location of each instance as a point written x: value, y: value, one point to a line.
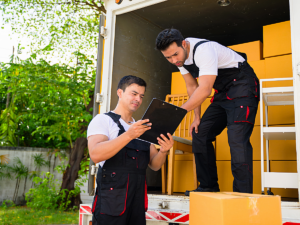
x: 238, y: 115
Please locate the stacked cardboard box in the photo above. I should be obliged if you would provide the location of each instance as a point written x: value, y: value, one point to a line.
x: 272, y: 59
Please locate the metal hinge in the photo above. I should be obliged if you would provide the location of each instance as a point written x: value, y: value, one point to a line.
x: 99, y: 98
x: 94, y: 169
x: 103, y: 31
x: 298, y: 69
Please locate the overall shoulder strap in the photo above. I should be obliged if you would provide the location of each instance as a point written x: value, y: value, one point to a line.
x: 196, y: 46
x: 116, y: 119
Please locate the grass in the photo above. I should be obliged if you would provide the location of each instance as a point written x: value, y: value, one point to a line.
x: 25, y: 215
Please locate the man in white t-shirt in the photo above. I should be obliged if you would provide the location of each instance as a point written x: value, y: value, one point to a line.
x: 234, y: 104
x: 121, y: 194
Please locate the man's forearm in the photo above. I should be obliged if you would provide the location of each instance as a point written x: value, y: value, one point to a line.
x: 197, y: 110
x: 196, y: 99
x: 107, y: 149
x: 157, y: 161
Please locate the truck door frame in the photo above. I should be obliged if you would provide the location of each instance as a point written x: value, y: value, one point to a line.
x: 295, y: 38
x: 113, y: 10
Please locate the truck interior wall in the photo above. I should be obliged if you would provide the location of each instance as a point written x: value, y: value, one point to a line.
x: 135, y: 54
x: 240, y: 22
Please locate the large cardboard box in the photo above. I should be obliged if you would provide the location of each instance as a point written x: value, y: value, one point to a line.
x: 282, y: 150
x: 254, y: 50
x: 277, y: 39
x: 279, y: 67
x: 284, y: 167
x: 281, y: 114
x: 230, y: 208
x: 223, y: 149
x: 259, y: 68
x: 226, y: 178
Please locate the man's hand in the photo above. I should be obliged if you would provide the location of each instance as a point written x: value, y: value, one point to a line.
x: 165, y: 143
x: 137, y: 128
x: 194, y: 125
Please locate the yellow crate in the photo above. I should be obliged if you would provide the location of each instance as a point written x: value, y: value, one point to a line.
x: 252, y: 49
x: 285, y: 167
x: 183, y: 173
x: 277, y: 39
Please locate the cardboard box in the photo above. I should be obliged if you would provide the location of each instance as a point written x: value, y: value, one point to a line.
x: 284, y: 167
x: 279, y: 67
x: 254, y: 50
x: 277, y: 39
x: 281, y: 114
x: 282, y: 150
x: 229, y: 208
x: 226, y: 178
x: 223, y: 149
x: 259, y: 68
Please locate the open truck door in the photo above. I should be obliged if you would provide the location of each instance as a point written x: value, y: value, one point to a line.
x: 97, y: 98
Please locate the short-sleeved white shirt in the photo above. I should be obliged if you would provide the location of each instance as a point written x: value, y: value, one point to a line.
x: 103, y: 124
x: 210, y: 57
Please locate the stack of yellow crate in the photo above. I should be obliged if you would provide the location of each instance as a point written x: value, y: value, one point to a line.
x: 272, y: 59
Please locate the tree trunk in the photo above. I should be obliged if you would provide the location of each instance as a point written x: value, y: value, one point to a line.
x: 76, y: 155
x: 71, y: 173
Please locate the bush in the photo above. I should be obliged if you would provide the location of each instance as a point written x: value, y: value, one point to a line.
x: 46, y: 194
x: 7, y: 203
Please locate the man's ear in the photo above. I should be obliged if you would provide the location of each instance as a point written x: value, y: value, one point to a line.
x: 184, y: 43
x: 119, y: 92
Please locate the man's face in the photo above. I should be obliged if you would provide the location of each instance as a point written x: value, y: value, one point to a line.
x: 176, y: 55
x: 132, y: 97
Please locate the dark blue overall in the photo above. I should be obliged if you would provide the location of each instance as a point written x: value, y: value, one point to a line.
x: 121, y: 194
x: 234, y: 105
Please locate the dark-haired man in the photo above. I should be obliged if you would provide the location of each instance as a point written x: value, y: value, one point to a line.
x: 121, y: 194
x: 234, y: 104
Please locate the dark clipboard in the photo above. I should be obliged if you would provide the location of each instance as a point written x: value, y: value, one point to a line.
x: 165, y: 118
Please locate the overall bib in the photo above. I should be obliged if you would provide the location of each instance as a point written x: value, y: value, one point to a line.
x: 121, y: 194
x: 234, y: 105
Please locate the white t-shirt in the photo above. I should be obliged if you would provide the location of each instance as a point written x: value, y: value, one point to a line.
x: 210, y: 57
x: 103, y: 124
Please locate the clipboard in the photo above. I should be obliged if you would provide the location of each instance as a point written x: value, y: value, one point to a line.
x: 165, y: 118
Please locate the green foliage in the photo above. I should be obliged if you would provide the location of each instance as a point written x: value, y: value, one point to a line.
x: 49, y: 102
x: 46, y: 194
x: 7, y: 203
x: 64, y: 26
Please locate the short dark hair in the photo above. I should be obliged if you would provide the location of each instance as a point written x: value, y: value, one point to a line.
x: 130, y: 79
x: 167, y: 37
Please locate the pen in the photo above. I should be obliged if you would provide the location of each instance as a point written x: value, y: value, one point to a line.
x: 145, y: 124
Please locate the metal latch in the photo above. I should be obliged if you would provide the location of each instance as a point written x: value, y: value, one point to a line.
x: 103, y: 31
x: 163, y: 205
x: 99, y: 98
x: 94, y: 170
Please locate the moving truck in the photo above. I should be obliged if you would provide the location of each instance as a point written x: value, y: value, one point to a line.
x: 127, y: 34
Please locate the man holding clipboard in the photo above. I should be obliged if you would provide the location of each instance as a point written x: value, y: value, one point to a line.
x: 121, y: 194
x: 234, y: 104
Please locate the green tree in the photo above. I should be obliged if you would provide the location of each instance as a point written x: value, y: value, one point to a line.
x: 67, y: 25
x: 52, y: 104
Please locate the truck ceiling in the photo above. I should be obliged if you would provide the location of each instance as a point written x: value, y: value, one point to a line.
x: 240, y: 22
